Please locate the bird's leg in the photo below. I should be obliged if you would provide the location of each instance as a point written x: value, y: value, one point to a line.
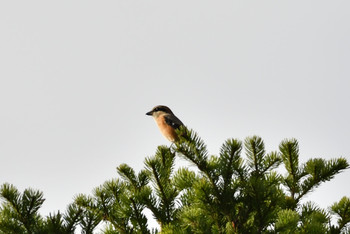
x: 172, y: 147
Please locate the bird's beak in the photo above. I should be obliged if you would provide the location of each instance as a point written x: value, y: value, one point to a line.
x: 149, y: 113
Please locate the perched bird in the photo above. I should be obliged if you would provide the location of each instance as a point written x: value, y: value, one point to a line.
x: 167, y: 122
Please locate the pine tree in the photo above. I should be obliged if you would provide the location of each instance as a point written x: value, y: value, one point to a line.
x: 237, y: 191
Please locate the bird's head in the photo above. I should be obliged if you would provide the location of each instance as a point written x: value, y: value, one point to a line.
x: 159, y: 110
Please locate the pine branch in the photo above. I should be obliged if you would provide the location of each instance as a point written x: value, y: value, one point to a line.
x: 313, y: 219
x: 114, y: 204
x: 23, y: 207
x: 287, y: 221
x: 319, y: 170
x: 271, y: 161
x: 290, y: 156
x: 192, y: 148
x: 160, y: 168
x: 11, y: 195
x: 342, y: 210
x: 184, y: 179
x: 230, y: 162
x: 137, y: 194
x: 31, y: 203
x: 54, y: 223
x: 89, y: 221
x: 128, y: 174
x: 255, y: 151
x: 72, y: 217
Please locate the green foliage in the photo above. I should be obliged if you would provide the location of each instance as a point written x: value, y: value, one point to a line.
x: 162, y: 202
x: 58, y: 223
x: 19, y: 212
x: 237, y: 191
x: 287, y: 221
x: 302, y: 179
x: 342, y: 210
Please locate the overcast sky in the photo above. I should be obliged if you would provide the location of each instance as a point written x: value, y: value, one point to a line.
x: 77, y: 77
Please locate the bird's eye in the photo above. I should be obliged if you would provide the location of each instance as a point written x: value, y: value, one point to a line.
x: 156, y: 109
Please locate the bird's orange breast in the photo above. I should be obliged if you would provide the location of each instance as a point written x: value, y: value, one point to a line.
x: 167, y: 131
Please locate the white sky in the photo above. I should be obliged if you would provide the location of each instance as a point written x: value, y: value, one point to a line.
x: 77, y: 77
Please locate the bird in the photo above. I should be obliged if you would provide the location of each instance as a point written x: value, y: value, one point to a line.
x: 167, y: 122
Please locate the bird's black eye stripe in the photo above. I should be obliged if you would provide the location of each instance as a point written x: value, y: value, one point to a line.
x: 159, y: 108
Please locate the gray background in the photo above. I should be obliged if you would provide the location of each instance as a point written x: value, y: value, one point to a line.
x: 77, y: 77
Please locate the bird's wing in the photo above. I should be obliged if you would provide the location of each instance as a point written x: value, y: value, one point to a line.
x: 173, y: 121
